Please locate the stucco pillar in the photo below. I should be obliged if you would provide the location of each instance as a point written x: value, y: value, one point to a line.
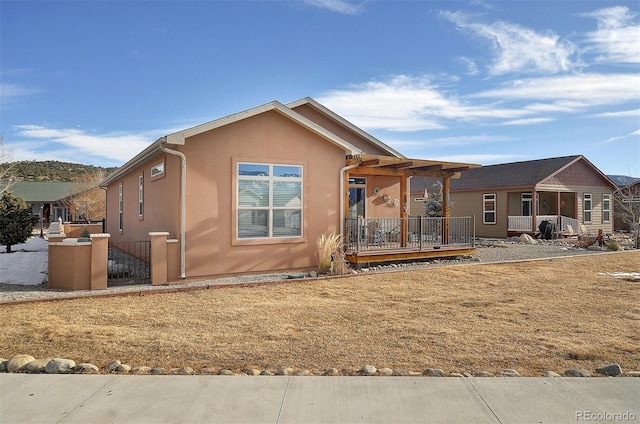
x: 99, y: 261
x: 56, y: 238
x: 158, y: 257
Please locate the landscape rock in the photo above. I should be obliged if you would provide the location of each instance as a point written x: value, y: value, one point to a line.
x: 112, y: 366
x: 86, y: 368
x: 550, y: 374
x: 483, y: 374
x: 123, y: 368
x: 3, y: 364
x: 332, y: 372
x: 251, y: 371
x: 225, y: 372
x: 385, y: 371
x: 157, y: 371
x: 632, y: 374
x: 303, y: 373
x: 433, y: 372
x: 509, y: 373
x: 182, y: 371
x: 17, y: 362
x: 610, y: 370
x: 37, y: 365
x: 527, y: 239
x: 368, y: 370
x: 266, y: 372
x: 313, y: 274
x: 285, y: 371
x: 577, y: 373
x: 208, y: 371
x: 60, y: 366
x: 141, y: 370
x: 456, y: 374
x: 399, y: 372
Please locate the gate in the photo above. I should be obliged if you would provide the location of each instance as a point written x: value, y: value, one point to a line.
x: 129, y: 263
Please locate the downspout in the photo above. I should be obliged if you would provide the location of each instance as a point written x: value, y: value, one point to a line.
x: 183, y: 203
x: 342, y: 194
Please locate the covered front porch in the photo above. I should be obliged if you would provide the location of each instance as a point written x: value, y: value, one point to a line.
x: 528, y: 209
x: 377, y: 226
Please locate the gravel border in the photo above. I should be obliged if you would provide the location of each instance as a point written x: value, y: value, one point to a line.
x: 489, y: 251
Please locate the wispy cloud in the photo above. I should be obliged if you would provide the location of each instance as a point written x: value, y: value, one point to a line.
x: 482, y: 159
x: 9, y: 93
x: 612, y: 139
x: 339, y: 6
x: 616, y: 38
x: 69, y: 143
x: 634, y: 113
x: 517, y: 48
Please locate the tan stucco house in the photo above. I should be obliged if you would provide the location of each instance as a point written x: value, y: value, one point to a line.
x: 514, y: 198
x: 252, y: 192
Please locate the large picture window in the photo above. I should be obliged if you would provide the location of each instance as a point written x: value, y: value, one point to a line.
x: 269, y: 200
x: 489, y: 208
x: 586, y: 207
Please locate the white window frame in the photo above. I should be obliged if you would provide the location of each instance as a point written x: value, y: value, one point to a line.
x: 587, y: 207
x: 157, y: 170
x: 141, y: 195
x: 606, y: 208
x: 486, y: 199
x: 271, y: 179
x: 120, y: 207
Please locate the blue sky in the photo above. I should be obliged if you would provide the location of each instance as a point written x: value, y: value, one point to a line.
x: 472, y: 81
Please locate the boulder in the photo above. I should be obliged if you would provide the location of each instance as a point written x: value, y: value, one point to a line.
x: 332, y: 372
x: 208, y: 371
x: 123, y: 368
x: 182, y: 371
x: 60, y: 366
x: 285, y: 371
x: 38, y: 365
x: 86, y: 368
x: 157, y: 371
x: 577, y: 373
x: 527, y: 239
x: 433, y: 372
x: 112, y: 366
x: 368, y: 370
x: 225, y: 371
x: 266, y: 372
x: 610, y: 370
x: 509, y: 373
x: 483, y: 374
x: 385, y: 371
x: 17, y: 362
x: 550, y: 374
x: 3, y: 364
x: 141, y: 370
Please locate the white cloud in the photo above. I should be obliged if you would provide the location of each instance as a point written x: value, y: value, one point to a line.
x: 10, y: 92
x: 483, y: 159
x: 72, y: 143
x: 528, y: 121
x: 465, y: 140
x: 634, y: 113
x: 616, y: 38
x: 634, y: 133
x: 339, y: 6
x: 519, y: 49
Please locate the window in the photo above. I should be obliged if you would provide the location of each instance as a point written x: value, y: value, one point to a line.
x: 140, y: 195
x: 527, y: 202
x: 606, y: 208
x: 586, y: 207
x: 489, y: 208
x: 269, y: 199
x: 120, y: 208
x: 157, y: 170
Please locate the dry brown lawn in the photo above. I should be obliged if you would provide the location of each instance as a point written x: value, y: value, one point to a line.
x: 531, y: 316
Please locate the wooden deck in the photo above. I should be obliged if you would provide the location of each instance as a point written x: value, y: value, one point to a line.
x: 407, y: 254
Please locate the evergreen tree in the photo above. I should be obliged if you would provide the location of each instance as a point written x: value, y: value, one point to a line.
x: 16, y: 220
x: 433, y: 204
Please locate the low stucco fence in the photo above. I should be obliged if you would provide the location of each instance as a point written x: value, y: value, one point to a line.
x: 82, y: 264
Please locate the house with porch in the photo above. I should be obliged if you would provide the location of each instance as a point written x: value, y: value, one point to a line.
x: 515, y: 198
x: 46, y: 199
x: 252, y: 192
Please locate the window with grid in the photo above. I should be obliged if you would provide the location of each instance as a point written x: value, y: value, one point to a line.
x: 586, y: 207
x: 606, y: 208
x: 489, y: 208
x: 269, y: 200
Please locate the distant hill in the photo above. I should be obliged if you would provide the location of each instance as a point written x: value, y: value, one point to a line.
x: 50, y: 170
x: 622, y: 180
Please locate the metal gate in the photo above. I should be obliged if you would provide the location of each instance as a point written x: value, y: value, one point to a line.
x: 129, y: 263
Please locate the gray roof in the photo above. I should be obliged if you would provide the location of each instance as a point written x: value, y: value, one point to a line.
x: 42, y: 191
x: 514, y: 174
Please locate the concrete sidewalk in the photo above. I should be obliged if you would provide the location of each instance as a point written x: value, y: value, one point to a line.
x: 28, y: 398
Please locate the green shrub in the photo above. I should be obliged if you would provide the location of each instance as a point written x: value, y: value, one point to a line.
x: 613, y: 245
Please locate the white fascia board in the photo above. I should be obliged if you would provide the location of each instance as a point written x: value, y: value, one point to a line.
x: 339, y: 119
x: 180, y: 137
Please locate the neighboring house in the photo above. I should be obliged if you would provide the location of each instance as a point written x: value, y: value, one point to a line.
x: 252, y: 192
x: 46, y: 199
x: 627, y: 203
x: 514, y: 198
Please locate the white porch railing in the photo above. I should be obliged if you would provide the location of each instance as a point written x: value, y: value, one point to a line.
x: 524, y: 223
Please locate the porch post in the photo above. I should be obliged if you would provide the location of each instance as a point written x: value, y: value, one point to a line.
x: 446, y: 212
x: 403, y: 211
x: 534, y: 209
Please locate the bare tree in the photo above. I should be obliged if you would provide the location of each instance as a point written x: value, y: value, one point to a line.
x: 88, y: 202
x: 627, y: 209
x: 6, y: 167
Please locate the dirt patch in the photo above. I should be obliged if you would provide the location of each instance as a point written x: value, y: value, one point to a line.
x: 530, y: 316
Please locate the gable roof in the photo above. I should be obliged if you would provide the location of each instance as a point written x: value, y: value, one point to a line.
x: 341, y: 121
x: 179, y: 138
x: 42, y: 191
x: 518, y: 174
